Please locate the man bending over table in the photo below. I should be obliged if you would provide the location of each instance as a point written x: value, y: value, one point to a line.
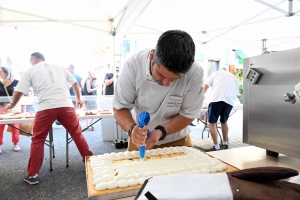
x: 49, y: 81
x: 165, y: 82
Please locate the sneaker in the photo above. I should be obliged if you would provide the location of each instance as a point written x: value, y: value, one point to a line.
x: 57, y: 122
x: 16, y: 147
x: 32, y: 180
x: 212, y: 149
x: 224, y: 146
x: 91, y: 128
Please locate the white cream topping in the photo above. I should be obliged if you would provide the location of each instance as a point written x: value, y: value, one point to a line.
x: 101, y: 186
x: 108, y: 174
x: 112, y: 185
x: 123, y: 183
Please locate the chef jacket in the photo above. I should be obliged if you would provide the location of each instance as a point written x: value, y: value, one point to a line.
x: 138, y: 91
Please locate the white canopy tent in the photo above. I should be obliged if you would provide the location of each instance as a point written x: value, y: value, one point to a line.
x: 214, y: 24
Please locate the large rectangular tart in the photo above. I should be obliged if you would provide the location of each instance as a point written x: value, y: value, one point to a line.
x: 124, y: 169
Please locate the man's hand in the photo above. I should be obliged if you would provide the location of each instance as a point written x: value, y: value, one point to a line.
x: 8, y: 107
x: 111, y: 81
x: 79, y: 103
x: 153, y: 138
x: 139, y: 135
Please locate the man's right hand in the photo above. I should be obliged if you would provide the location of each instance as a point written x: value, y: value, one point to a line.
x: 8, y: 107
x: 111, y: 81
x: 139, y: 135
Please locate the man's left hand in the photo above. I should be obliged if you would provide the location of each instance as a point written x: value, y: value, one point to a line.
x: 153, y: 138
x: 79, y: 103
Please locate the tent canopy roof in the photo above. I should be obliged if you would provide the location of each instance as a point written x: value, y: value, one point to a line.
x: 210, y: 22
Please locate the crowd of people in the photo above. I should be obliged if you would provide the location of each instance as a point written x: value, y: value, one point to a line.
x: 168, y: 84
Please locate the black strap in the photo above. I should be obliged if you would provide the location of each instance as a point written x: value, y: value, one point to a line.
x: 150, y: 196
x: 163, y: 130
x: 142, y: 188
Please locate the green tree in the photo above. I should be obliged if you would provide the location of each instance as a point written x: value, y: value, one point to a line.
x: 240, y: 95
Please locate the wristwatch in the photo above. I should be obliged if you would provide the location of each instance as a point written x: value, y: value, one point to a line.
x: 130, y: 129
x: 163, y: 130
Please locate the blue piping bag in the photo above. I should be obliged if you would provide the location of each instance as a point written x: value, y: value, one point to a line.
x: 143, y: 120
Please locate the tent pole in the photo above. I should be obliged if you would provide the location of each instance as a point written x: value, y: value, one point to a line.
x: 296, y: 38
x: 274, y: 7
x: 264, y: 45
x: 52, y: 19
x: 130, y: 15
x: 114, y: 52
x: 290, y: 8
x: 296, y: 11
x: 242, y: 22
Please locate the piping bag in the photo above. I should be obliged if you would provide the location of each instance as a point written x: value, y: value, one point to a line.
x: 143, y: 120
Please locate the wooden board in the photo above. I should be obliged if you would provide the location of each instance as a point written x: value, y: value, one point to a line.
x: 123, y: 192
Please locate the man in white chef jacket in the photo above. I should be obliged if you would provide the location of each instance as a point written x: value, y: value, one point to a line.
x: 165, y: 82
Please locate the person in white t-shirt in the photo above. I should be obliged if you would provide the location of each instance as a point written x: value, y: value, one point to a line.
x: 165, y: 82
x: 49, y: 82
x: 224, y: 90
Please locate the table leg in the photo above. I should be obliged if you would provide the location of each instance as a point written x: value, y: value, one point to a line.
x: 51, y: 146
x: 91, y: 124
x: 52, y: 143
x: 28, y: 134
x: 70, y: 139
x: 67, y: 149
x: 203, y: 131
x: 49, y: 143
x: 205, y: 126
x: 234, y: 111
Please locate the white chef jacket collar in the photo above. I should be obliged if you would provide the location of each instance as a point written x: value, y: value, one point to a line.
x: 149, y: 77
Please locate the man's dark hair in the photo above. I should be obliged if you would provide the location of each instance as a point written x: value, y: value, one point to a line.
x: 38, y: 55
x: 175, y: 49
x: 93, y: 79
